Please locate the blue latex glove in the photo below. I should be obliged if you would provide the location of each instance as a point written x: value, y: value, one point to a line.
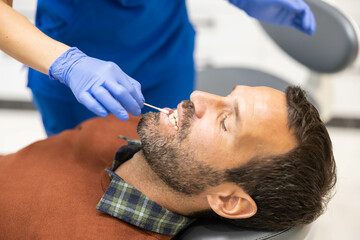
x: 100, y: 86
x: 292, y: 13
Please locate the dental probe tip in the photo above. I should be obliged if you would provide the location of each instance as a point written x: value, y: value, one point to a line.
x: 159, y: 109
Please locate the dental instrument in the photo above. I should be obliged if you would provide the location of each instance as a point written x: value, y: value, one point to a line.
x: 159, y: 109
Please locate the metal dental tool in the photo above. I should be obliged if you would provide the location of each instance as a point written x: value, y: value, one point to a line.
x: 159, y: 109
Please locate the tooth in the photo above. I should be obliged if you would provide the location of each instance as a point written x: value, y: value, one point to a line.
x: 173, y: 118
x: 172, y: 121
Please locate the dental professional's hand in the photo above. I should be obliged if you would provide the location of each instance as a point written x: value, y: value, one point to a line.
x: 99, y: 85
x: 292, y: 13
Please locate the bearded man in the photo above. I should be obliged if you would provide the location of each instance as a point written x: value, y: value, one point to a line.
x: 257, y: 158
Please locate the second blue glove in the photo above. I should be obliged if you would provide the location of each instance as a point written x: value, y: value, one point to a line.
x: 291, y: 13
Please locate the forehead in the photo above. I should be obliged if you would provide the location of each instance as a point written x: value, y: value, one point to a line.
x: 263, y: 126
x: 260, y: 103
x: 248, y: 93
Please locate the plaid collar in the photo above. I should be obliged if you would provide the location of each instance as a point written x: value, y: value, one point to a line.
x: 123, y: 201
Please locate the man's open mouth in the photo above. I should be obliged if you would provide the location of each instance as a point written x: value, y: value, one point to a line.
x: 173, y: 118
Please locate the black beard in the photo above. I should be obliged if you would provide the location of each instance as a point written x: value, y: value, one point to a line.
x: 172, y: 158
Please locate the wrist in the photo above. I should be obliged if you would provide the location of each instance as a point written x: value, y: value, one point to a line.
x: 61, y: 67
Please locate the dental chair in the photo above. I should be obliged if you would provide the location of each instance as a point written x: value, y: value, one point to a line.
x: 333, y: 47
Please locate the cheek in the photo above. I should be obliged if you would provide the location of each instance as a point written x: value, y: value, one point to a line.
x: 202, y: 136
x: 208, y: 146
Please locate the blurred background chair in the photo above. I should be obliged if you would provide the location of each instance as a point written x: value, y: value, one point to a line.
x: 333, y: 48
x: 214, y: 230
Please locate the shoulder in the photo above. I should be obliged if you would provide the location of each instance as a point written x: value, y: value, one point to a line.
x: 94, y: 138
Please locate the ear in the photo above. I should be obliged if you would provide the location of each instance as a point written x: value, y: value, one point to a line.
x: 232, y: 202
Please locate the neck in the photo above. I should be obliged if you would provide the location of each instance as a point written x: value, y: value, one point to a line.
x: 138, y: 173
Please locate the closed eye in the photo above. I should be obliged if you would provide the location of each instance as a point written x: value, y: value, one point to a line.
x: 223, y: 123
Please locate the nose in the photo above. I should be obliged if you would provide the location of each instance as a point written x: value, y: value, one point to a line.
x: 205, y: 102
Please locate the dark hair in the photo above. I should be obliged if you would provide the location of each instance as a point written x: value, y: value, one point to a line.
x: 292, y: 188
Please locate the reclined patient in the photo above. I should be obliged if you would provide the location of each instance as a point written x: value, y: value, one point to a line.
x: 257, y: 158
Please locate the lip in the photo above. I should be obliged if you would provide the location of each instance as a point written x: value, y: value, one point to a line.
x: 165, y: 118
x: 179, y: 113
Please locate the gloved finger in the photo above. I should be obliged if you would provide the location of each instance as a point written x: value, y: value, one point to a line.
x: 297, y: 21
x: 126, y: 81
x: 109, y: 102
x: 292, y: 5
x: 129, y: 103
x: 137, y: 87
x: 134, y: 90
x: 313, y: 24
x: 284, y: 16
x: 88, y: 101
x: 124, y: 97
x: 299, y: 26
x: 307, y: 20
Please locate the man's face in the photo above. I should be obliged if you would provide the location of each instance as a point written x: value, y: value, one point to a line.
x: 215, y: 133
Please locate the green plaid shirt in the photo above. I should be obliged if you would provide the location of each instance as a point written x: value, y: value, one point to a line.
x: 123, y: 201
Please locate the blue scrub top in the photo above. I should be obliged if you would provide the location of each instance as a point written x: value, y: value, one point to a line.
x: 151, y: 40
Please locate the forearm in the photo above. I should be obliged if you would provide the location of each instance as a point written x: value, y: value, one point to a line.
x: 20, y: 39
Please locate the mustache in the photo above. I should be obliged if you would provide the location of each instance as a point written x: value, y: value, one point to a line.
x: 188, y: 115
x: 188, y: 109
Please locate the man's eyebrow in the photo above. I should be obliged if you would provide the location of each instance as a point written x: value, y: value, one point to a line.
x: 236, y: 107
x: 236, y: 110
